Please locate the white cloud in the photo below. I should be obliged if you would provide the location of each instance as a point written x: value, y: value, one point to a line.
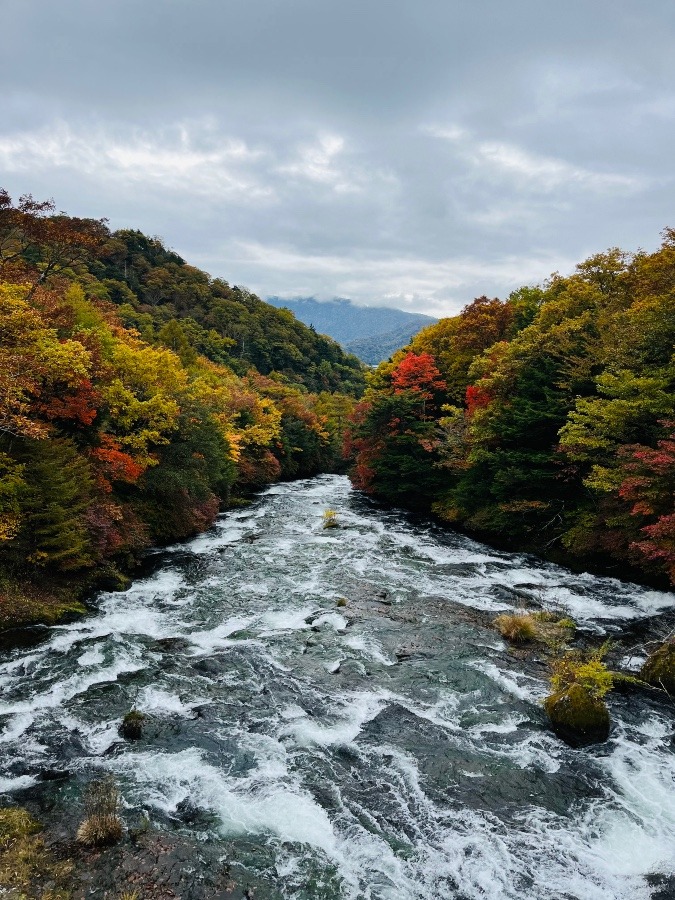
x: 437, y: 287
x: 186, y: 158
x: 500, y: 159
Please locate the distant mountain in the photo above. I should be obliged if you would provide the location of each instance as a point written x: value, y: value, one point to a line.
x: 372, y: 333
x: 372, y: 350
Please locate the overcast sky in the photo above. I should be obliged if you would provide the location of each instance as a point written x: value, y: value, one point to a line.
x: 413, y: 153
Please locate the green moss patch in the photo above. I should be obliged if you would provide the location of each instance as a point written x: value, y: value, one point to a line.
x: 577, y: 717
x: 659, y: 669
x: 29, y: 604
x: 28, y: 869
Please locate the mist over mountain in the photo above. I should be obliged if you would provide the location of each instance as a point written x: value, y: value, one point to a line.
x: 372, y: 333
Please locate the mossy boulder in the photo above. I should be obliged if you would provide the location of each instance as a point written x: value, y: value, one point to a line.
x: 577, y: 717
x: 659, y: 669
x: 132, y: 725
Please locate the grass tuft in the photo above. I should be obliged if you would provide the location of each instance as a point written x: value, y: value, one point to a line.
x: 102, y: 824
x: 519, y: 628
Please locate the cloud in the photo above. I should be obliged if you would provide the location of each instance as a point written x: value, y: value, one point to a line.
x: 529, y: 170
x: 169, y: 157
x: 439, y: 288
x: 417, y: 153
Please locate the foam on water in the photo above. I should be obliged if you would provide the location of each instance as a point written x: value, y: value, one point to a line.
x: 399, y: 778
x: 353, y: 712
x: 259, y: 805
x: 156, y: 701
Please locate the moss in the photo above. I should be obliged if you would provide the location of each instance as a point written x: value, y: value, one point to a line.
x: 24, y: 604
x: 577, y: 716
x: 132, y: 725
x: 27, y: 866
x: 659, y: 669
x: 15, y: 823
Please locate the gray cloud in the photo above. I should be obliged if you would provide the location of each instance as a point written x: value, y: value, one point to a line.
x: 393, y: 152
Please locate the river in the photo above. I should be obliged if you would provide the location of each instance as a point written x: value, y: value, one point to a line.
x: 390, y: 747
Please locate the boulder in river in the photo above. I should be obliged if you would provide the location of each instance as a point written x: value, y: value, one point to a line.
x: 132, y: 725
x: 659, y: 668
x: 577, y: 717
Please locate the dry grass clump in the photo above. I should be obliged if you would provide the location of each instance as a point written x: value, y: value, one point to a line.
x: 517, y: 627
x: 102, y: 824
x: 547, y: 627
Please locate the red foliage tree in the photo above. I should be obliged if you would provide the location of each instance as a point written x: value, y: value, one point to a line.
x: 476, y: 398
x: 649, y: 486
x: 419, y: 374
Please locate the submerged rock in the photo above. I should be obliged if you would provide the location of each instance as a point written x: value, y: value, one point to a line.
x: 577, y: 717
x: 659, y: 669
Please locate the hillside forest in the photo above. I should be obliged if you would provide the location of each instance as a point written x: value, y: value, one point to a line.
x: 543, y: 422
x: 138, y: 397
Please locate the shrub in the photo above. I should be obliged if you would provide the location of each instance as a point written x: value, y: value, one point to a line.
x: 518, y: 627
x: 585, y: 669
x: 102, y: 824
x: 330, y: 519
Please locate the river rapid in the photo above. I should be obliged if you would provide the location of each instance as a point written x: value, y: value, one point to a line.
x: 389, y: 748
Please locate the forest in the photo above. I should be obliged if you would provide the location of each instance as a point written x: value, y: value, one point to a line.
x: 544, y: 422
x: 138, y: 397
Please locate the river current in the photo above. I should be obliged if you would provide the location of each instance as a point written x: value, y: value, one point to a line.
x: 333, y: 708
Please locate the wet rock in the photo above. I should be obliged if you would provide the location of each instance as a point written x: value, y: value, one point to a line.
x: 54, y: 775
x: 408, y: 651
x: 191, y: 814
x: 172, y: 644
x: 577, y: 717
x: 659, y: 669
x: 351, y: 667
x: 68, y: 746
x: 132, y: 725
x: 664, y: 886
x: 211, y: 665
x: 161, y: 866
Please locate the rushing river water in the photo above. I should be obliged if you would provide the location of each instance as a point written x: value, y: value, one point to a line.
x: 392, y: 747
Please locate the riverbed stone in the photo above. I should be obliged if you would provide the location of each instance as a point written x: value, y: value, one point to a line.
x: 659, y: 668
x: 577, y: 717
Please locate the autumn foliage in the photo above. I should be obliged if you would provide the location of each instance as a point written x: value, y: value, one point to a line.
x: 545, y: 420
x: 124, y: 420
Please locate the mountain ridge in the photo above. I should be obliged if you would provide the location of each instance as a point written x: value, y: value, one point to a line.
x: 370, y: 332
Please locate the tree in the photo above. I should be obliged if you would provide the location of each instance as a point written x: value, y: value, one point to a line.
x: 34, y: 239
